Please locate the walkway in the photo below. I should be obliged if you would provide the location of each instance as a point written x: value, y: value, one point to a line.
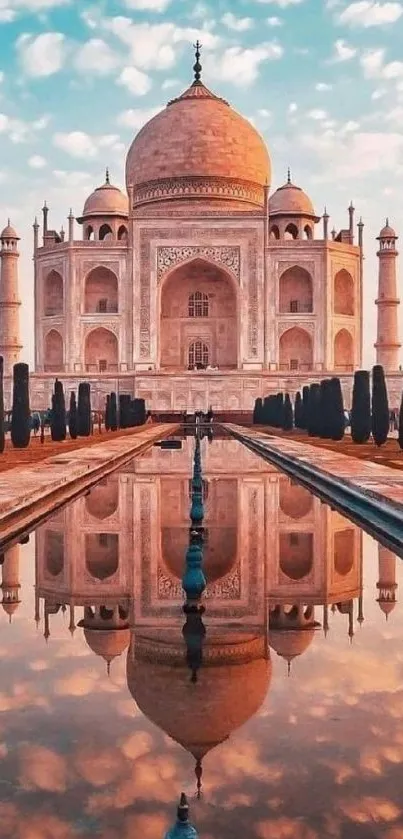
x: 29, y: 493
x: 369, y: 492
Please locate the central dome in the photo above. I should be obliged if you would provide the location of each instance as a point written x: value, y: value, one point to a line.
x: 198, y: 147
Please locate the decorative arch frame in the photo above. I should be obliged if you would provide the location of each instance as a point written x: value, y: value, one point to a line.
x: 87, y: 274
x: 307, y: 328
x: 304, y: 270
x: 59, y: 274
x: 62, y: 338
x: 112, y: 328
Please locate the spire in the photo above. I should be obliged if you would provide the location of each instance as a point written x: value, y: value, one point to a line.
x: 199, y: 775
x: 288, y: 175
x: 107, y: 178
x: 197, y: 66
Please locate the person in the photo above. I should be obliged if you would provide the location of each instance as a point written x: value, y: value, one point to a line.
x: 36, y: 423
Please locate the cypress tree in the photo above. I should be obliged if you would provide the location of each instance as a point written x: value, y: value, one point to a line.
x: 400, y: 438
x: 58, y: 419
x: 108, y: 413
x: 313, y: 410
x: 287, y: 413
x: 113, y: 412
x: 380, y: 406
x: 84, y: 410
x: 298, y: 410
x: 20, y: 420
x: 257, y: 411
x: 336, y: 408
x: 305, y: 407
x: 2, y: 434
x: 361, y: 408
x: 139, y: 406
x: 73, y: 416
x: 279, y: 410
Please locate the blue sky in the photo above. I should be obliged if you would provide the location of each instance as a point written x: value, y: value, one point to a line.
x: 321, y: 79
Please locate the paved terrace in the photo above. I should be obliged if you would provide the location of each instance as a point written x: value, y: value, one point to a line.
x: 369, y: 492
x: 29, y: 493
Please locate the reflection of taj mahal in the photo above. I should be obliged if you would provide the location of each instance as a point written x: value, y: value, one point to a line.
x: 195, y: 287
x: 281, y: 567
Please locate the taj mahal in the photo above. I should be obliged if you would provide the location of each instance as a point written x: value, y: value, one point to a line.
x: 197, y: 286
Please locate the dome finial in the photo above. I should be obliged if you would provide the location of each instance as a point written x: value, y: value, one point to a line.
x: 288, y: 175
x: 197, y: 66
x: 198, y: 773
x: 107, y: 179
x: 387, y: 221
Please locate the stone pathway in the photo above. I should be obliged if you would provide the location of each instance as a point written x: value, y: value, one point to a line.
x: 28, y: 493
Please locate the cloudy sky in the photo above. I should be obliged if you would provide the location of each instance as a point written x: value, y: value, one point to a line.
x: 321, y: 79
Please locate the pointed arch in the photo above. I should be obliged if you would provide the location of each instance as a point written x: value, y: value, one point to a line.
x: 291, y: 231
x: 101, y: 291
x: 53, y: 352
x: 123, y: 234
x: 103, y: 499
x: 343, y: 351
x: 296, y: 290
x: 344, y: 293
x: 295, y: 501
x: 54, y: 552
x: 274, y: 232
x: 101, y: 352
x: 53, y: 294
x: 102, y: 554
x: 296, y: 554
x: 295, y: 350
x: 105, y: 233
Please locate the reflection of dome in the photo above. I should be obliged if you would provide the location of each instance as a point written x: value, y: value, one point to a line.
x: 199, y: 716
x: 10, y: 607
x: 106, y: 200
x: 387, y: 606
x: 107, y: 643
x: 289, y: 643
x: 199, y: 136
x: 289, y: 200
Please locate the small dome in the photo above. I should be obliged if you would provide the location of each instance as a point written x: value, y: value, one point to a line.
x: 11, y: 607
x: 107, y: 643
x: 289, y: 643
x: 387, y: 232
x: 106, y: 200
x: 9, y: 232
x: 290, y: 200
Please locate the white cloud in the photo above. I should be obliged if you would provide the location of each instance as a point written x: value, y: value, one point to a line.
x: 135, y: 118
x: 10, y: 8
x: 237, y: 24
x: 80, y: 144
x: 167, y: 83
x: 282, y: 3
x: 366, y: 13
x: 1, y: 76
x: 135, y: 81
x: 17, y: 130
x: 96, y: 56
x: 379, y: 93
x: 263, y: 112
x: 317, y: 114
x: 374, y: 67
x: 348, y: 153
x: 274, y: 21
x: 42, y: 55
x: 292, y: 108
x: 343, y: 51
x: 323, y: 86
x: 154, y: 46
x: 147, y: 5
x: 36, y: 161
x: 241, y: 66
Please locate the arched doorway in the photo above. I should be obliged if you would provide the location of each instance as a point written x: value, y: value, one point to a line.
x: 291, y: 231
x: 295, y: 291
x: 343, y: 351
x: 53, y: 294
x: 295, y: 350
x: 102, y: 554
x: 295, y: 501
x: 296, y: 554
x: 54, y: 552
x: 198, y: 355
x: 344, y: 303
x: 101, y: 291
x: 198, y: 317
x: 101, y: 351
x: 53, y: 352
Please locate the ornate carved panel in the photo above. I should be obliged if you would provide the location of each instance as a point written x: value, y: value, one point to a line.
x: 169, y: 256
x: 197, y: 187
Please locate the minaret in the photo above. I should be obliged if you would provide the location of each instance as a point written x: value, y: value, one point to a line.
x: 386, y: 584
x: 387, y: 341
x: 10, y: 581
x: 10, y: 345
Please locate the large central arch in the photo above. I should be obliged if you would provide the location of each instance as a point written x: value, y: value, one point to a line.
x: 198, y: 306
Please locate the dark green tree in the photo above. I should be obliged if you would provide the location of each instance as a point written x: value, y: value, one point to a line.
x: 139, y: 412
x: 58, y: 418
x: 84, y: 410
x: 20, y: 420
x: 313, y: 410
x: 108, y: 413
x: 298, y: 411
x: 305, y: 407
x: 2, y: 434
x: 113, y: 412
x: 288, y: 420
x: 401, y: 424
x: 257, y: 411
x: 73, y: 418
x: 380, y: 406
x: 336, y: 409
x: 124, y: 410
x: 361, y: 407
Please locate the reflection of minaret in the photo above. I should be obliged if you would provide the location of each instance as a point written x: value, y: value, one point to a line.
x: 182, y: 829
x: 106, y: 631
x: 386, y: 584
x: 10, y: 580
x: 291, y: 630
x: 387, y: 339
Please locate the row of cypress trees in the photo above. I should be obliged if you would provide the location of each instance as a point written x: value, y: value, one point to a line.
x: 320, y: 409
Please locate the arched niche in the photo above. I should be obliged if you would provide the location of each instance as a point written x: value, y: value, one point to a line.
x: 105, y: 233
x: 295, y: 501
x: 343, y: 351
x: 274, y: 232
x: 103, y: 499
x: 199, y: 355
x: 295, y: 350
x: 219, y: 551
x: 344, y: 296
x: 102, y: 554
x: 296, y: 554
x: 218, y: 330
x: 53, y: 351
x: 101, y: 351
x: 123, y: 234
x: 53, y: 294
x: 54, y: 552
x: 308, y: 232
x: 101, y: 291
x: 343, y: 551
x: 291, y: 231
x: 89, y: 233
x: 295, y: 290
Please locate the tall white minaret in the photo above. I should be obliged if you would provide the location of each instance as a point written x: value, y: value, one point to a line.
x: 387, y: 341
x: 10, y: 344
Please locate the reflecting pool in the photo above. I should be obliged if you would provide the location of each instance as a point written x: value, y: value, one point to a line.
x: 278, y: 711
